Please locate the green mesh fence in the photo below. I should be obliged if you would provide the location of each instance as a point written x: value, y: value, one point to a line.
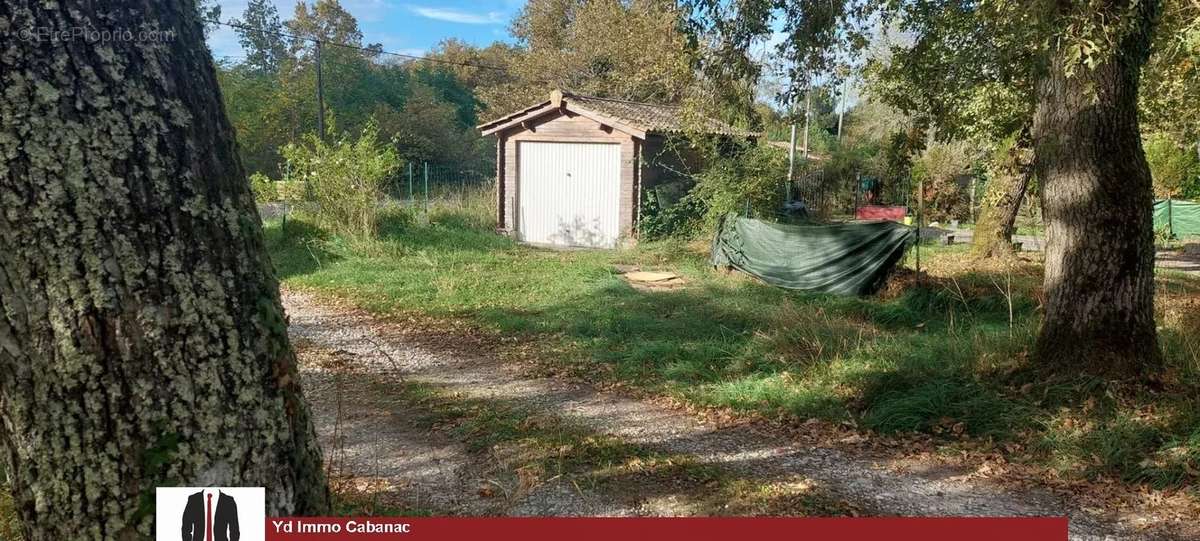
x: 1177, y: 217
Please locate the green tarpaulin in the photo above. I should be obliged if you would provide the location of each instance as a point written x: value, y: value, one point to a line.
x: 845, y: 259
x: 1180, y: 216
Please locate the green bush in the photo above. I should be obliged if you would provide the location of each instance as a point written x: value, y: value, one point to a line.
x: 344, y: 179
x: 1176, y: 170
x: 751, y: 179
x: 264, y: 188
x: 661, y: 220
x: 946, y: 169
x: 738, y: 179
x: 292, y: 191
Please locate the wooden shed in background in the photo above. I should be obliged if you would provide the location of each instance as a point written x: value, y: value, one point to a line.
x: 570, y: 170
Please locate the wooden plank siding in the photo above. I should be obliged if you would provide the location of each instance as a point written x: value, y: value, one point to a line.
x: 500, y: 214
x: 563, y: 127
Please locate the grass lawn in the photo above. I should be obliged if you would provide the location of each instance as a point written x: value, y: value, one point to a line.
x: 948, y: 356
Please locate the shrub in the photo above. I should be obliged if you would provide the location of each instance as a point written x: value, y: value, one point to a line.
x: 292, y: 191
x: 264, y: 188
x: 946, y: 169
x: 1176, y: 170
x: 345, y: 179
x: 660, y: 221
x: 733, y: 179
x: 751, y: 179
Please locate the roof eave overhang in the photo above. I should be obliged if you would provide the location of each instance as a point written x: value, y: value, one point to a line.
x: 546, y: 108
x: 488, y: 127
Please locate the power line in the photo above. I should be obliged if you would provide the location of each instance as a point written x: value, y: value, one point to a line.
x: 371, y: 50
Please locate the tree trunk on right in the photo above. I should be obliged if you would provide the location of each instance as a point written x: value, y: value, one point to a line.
x: 1097, y: 201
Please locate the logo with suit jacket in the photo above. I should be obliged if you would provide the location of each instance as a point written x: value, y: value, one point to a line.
x: 210, y: 514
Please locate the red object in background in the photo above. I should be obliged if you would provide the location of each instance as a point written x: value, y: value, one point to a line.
x: 880, y: 212
x: 691, y: 529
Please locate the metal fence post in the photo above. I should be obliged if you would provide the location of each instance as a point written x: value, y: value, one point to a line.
x: 1170, y: 221
x: 426, y: 186
x: 920, y: 218
x: 320, y: 96
x: 411, y: 201
x: 857, y: 183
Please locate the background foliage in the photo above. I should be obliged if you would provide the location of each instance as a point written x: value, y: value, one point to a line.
x: 344, y: 179
x: 1176, y: 170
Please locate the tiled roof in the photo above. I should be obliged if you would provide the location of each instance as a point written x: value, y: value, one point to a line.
x: 651, y: 117
x: 647, y: 117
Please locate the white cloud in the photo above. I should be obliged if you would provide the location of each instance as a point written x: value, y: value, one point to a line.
x: 397, y: 44
x: 457, y: 16
x: 368, y: 11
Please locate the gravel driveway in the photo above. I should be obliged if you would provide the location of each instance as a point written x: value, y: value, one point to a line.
x: 878, y: 488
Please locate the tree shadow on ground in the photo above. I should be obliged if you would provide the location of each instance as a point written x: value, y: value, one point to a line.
x: 948, y: 355
x: 759, y: 348
x: 945, y: 358
x: 297, y: 247
x: 520, y: 448
x: 447, y: 231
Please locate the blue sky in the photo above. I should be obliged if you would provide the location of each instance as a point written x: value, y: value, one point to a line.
x: 403, y: 26
x: 413, y: 27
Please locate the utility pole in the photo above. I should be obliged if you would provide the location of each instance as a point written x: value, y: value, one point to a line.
x: 320, y: 96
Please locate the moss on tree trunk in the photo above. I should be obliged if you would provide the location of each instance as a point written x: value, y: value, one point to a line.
x: 1002, y: 203
x: 142, y: 341
x: 1097, y: 198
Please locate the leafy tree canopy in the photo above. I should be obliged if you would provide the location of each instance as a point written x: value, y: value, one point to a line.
x: 260, y: 33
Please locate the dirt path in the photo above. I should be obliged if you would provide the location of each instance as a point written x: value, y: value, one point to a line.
x: 373, y: 445
x: 1186, y: 259
x: 369, y: 440
x: 877, y: 488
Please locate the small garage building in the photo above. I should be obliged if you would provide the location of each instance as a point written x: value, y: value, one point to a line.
x: 570, y: 170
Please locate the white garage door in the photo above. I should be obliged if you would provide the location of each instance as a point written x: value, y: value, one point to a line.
x: 569, y: 193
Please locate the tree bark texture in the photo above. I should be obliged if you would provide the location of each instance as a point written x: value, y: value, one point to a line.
x: 142, y: 340
x: 1002, y: 204
x: 1097, y: 199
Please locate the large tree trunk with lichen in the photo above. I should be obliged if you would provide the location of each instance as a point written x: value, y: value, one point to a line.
x: 1097, y: 198
x: 142, y: 341
x: 1002, y: 204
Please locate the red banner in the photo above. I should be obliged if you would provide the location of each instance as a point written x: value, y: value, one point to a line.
x: 879, y: 212
x: 691, y: 529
